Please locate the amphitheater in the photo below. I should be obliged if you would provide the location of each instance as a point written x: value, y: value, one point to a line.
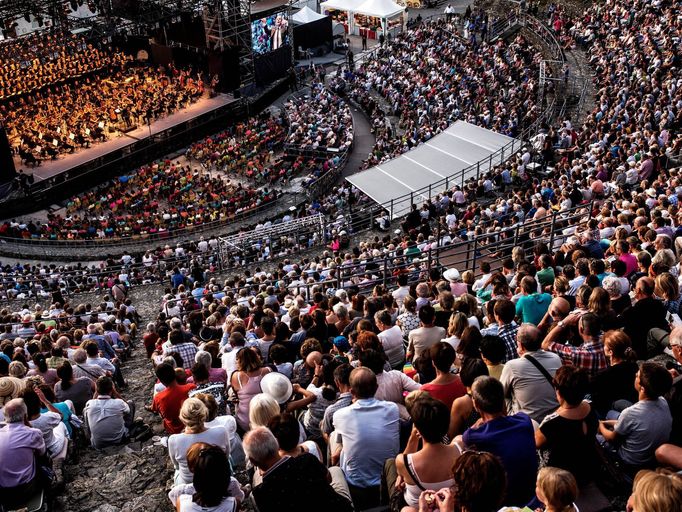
x: 447, y: 252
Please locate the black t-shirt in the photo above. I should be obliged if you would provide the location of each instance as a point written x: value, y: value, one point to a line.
x: 571, y: 444
x: 615, y: 383
x: 299, y: 484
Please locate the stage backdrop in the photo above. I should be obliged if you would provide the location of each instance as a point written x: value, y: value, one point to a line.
x: 313, y: 34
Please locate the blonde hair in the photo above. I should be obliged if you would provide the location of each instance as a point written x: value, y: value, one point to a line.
x: 193, y: 413
x: 262, y: 408
x: 468, y: 277
x: 657, y: 491
x: 559, y: 488
x: 667, y: 287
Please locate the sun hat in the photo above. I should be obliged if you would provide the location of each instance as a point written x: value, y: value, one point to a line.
x: 278, y: 386
x: 452, y: 275
x: 10, y: 388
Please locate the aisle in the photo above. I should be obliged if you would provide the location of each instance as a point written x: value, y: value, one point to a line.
x: 363, y: 142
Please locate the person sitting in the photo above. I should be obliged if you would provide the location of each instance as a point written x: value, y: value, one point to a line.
x: 286, y: 429
x: 641, y: 428
x: 49, y: 423
x: 511, y: 438
x: 108, y: 418
x: 531, y: 306
x: 446, y: 387
x: 213, y: 488
x: 557, y: 490
x: 462, y: 413
x: 421, y: 339
x: 369, y: 434
x: 480, y: 485
x: 647, y: 313
x: 527, y: 387
x: 567, y: 437
x: 429, y: 467
x: 670, y: 453
x: 168, y: 402
x: 193, y: 414
x: 614, y: 387
x: 20, y: 444
x: 293, y: 483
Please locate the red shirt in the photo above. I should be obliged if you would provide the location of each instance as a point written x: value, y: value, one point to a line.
x: 168, y: 403
x: 446, y: 393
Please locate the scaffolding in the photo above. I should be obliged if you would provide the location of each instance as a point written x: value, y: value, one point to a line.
x: 227, y: 25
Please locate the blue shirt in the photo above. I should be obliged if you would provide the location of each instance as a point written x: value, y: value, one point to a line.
x: 531, y: 308
x: 512, y: 439
x: 369, y: 431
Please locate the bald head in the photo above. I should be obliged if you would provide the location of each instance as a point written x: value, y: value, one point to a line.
x: 313, y: 357
x: 645, y: 287
x: 363, y: 383
x: 559, y: 308
x: 15, y: 411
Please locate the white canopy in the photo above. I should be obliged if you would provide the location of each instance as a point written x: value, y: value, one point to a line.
x: 379, y: 8
x: 341, y: 5
x: 306, y: 15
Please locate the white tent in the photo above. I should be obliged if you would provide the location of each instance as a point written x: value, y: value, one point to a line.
x: 306, y: 15
x: 379, y: 8
x: 341, y: 5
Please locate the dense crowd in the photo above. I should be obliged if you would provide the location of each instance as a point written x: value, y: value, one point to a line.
x: 344, y: 381
x: 319, y: 120
x: 430, y: 78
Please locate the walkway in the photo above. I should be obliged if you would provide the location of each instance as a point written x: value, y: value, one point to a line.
x: 363, y: 142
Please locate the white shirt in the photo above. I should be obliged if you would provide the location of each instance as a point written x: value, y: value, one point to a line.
x: 178, y: 444
x: 369, y: 431
x: 392, y: 341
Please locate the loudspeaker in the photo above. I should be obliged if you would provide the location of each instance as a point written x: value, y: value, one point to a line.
x: 7, y: 170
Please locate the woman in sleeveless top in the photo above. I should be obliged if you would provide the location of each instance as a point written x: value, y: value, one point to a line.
x: 246, y: 383
x: 431, y: 467
x: 462, y: 414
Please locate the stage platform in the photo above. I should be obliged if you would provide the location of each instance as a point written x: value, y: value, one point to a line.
x: 51, y: 168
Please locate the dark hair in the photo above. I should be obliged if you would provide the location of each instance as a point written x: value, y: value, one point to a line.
x: 493, y: 348
x: 211, y: 475
x: 105, y: 385
x: 471, y: 369
x: 40, y: 362
x: 591, y: 324
x: 278, y: 353
x: 506, y: 310
x: 91, y: 348
x: 32, y: 401
x: 65, y: 373
x: 655, y: 379
x: 342, y: 373
x: 431, y: 418
x: 480, y: 481
x: 572, y: 383
x: 165, y: 373
x: 470, y: 342
x: 488, y: 394
x: 427, y: 314
x: 286, y: 430
x: 443, y: 356
x: 372, y: 359
x: 199, y: 372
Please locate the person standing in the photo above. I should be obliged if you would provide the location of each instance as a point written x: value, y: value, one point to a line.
x: 364, y: 41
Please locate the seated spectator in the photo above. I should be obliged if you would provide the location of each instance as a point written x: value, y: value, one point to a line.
x: 293, y: 483
x: 527, y: 380
x: 82, y: 368
x: 213, y: 487
x: 391, y: 338
x: 202, y: 383
x: 107, y: 417
x: 78, y: 390
x: 614, y: 387
x: 647, y: 313
x: 49, y: 423
x: 369, y: 434
x: 429, y: 467
x: 227, y: 422
x: 493, y: 353
x: 343, y: 399
x: 511, y: 438
x: 531, y: 306
x: 428, y: 334
x: 557, y: 490
x: 168, y: 402
x: 246, y: 382
x: 671, y: 453
x: 462, y: 413
x: 446, y: 387
x: 286, y: 428
x: 507, y: 330
x: 20, y: 444
x: 641, y: 428
x: 193, y: 414
x: 480, y: 484
x: 659, y: 490
x: 566, y: 438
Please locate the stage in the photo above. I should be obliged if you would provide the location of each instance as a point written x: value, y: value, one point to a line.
x: 118, y: 141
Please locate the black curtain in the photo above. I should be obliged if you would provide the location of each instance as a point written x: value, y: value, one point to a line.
x: 273, y: 65
x: 315, y: 33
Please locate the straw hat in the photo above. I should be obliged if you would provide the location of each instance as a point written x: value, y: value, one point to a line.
x: 10, y: 387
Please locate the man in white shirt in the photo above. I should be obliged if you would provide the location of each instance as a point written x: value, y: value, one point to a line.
x: 403, y: 290
x: 481, y: 283
x: 107, y: 417
x: 369, y: 434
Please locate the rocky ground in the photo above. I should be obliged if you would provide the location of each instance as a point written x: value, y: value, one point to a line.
x: 135, y: 477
